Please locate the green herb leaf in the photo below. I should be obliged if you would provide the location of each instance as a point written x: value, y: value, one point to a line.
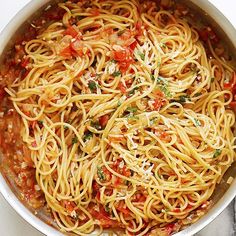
x: 212, y: 79
x: 40, y: 122
x: 66, y: 127
x: 116, y: 73
x: 217, y: 153
x: 142, y: 56
x: 107, y: 208
x: 153, y: 120
x: 197, y: 122
x: 197, y: 94
x: 161, y: 80
x: 101, y: 175
x: 132, y: 109
x: 75, y: 140
x: 88, y: 135
x: 152, y: 77
x: 163, y: 45
x: 92, y: 85
x: 119, y: 103
x: 184, y: 98
x: 113, y: 61
x: 166, y: 91
x: 132, y: 92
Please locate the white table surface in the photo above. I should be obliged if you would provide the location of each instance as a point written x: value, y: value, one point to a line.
x: 11, y: 224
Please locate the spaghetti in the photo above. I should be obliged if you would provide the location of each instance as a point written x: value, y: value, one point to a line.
x: 126, y: 115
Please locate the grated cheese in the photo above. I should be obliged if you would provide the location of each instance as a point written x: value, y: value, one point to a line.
x: 230, y: 180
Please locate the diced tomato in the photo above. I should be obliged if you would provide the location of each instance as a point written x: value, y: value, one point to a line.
x: 122, y: 55
x: 133, y: 45
x: 77, y: 47
x: 158, y: 103
x: 170, y: 228
x: 94, y: 12
x: 138, y: 27
x: 122, y: 87
x: 177, y: 210
x: 67, y: 52
x: 103, y: 217
x: 70, y: 206
x: 71, y: 31
x: 103, y: 120
x: 122, y: 208
x: 25, y: 62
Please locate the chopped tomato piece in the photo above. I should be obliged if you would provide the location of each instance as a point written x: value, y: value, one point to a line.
x: 133, y: 45
x: 71, y: 31
x: 103, y: 217
x: 138, y: 27
x: 70, y: 206
x: 122, y: 87
x: 170, y: 228
x: 122, y: 55
x: 103, y: 120
x: 158, y: 103
x: 122, y: 208
x: 77, y: 47
x: 25, y: 62
x: 95, y: 12
x: 176, y: 210
x: 66, y: 52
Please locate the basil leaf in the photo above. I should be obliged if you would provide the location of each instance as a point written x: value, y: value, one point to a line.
x: 217, y: 153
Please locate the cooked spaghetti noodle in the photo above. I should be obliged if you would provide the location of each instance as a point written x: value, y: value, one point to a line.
x: 126, y: 116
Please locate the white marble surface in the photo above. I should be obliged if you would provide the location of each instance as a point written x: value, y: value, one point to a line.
x: 13, y: 225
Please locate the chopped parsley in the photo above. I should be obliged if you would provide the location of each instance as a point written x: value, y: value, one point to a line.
x: 66, y: 127
x: 75, y: 140
x: 217, y: 153
x: 166, y: 91
x: 212, y: 79
x: 197, y: 122
x: 113, y: 61
x: 88, y: 135
x: 119, y: 103
x: 107, y: 208
x: 116, y: 73
x: 142, y: 56
x: 132, y: 109
x: 92, y: 85
x: 163, y: 45
x: 152, y: 77
x: 153, y: 120
x: 197, y: 94
x: 132, y: 92
x: 40, y: 122
x: 101, y: 174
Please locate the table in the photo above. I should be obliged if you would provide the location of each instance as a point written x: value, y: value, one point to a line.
x: 11, y: 224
